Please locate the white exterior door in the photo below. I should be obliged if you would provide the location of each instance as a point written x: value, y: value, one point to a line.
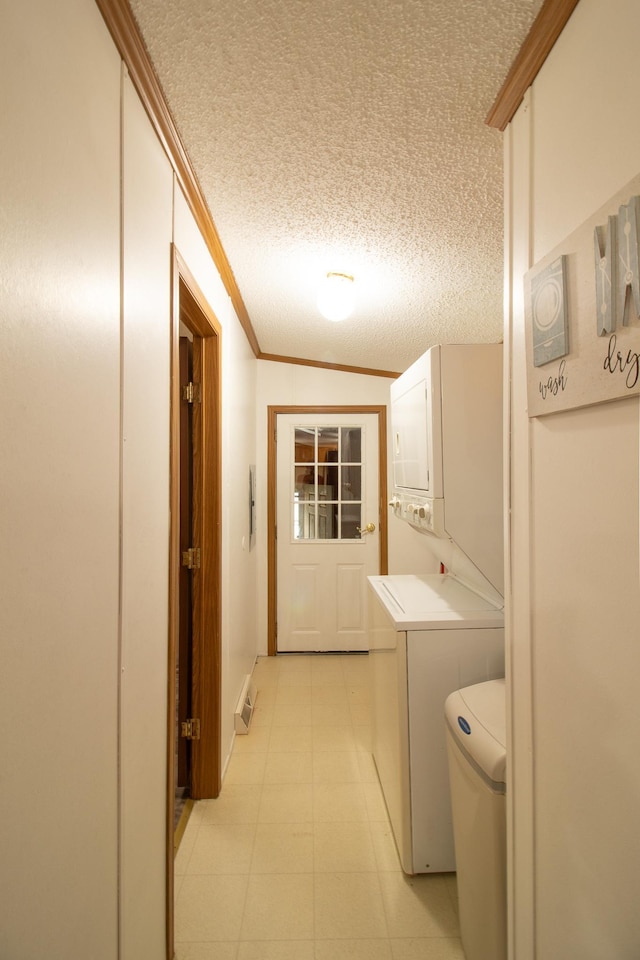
x: 327, y: 497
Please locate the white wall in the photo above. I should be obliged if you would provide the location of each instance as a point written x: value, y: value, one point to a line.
x: 288, y: 384
x: 147, y: 226
x: 574, y: 604
x: 88, y: 212
x: 60, y: 463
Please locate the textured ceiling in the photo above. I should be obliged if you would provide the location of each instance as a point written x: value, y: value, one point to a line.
x: 348, y: 136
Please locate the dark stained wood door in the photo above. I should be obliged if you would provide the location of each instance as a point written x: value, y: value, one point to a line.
x: 184, y: 658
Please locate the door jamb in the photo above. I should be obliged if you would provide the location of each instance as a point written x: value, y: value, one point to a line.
x: 189, y: 304
x: 272, y: 420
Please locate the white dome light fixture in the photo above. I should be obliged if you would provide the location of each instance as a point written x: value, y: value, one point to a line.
x: 336, y: 298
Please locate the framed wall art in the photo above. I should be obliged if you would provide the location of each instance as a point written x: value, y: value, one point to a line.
x: 582, y: 312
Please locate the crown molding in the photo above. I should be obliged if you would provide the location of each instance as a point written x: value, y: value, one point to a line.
x: 125, y: 34
x: 325, y: 365
x: 544, y: 32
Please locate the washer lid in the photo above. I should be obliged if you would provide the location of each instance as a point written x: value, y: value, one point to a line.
x: 476, y: 716
x: 433, y: 602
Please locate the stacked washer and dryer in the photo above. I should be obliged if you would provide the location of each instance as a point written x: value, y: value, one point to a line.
x: 431, y: 635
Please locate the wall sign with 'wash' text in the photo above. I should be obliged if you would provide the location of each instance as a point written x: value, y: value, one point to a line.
x: 582, y: 312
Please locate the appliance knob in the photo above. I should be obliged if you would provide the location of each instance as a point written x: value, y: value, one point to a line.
x: 422, y: 513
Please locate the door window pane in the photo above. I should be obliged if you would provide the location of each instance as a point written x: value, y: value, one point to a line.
x: 305, y: 445
x: 305, y: 482
x: 328, y: 482
x: 304, y: 521
x: 327, y: 521
x: 351, y: 520
x: 351, y: 483
x: 328, y: 444
x: 351, y: 444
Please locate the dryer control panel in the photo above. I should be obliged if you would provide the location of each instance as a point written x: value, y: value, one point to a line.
x: 424, y: 513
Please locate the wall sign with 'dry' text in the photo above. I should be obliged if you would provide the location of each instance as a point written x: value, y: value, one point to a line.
x: 582, y: 312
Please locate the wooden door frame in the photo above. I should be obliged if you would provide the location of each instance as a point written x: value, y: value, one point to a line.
x: 273, y: 412
x: 189, y: 305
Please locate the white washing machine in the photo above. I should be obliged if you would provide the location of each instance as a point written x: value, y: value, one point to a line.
x: 476, y: 746
x: 428, y: 636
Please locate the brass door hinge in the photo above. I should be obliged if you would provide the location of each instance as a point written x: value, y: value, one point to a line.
x: 190, y: 729
x: 191, y: 393
x: 191, y: 558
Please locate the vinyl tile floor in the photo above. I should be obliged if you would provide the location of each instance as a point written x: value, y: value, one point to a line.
x: 296, y: 860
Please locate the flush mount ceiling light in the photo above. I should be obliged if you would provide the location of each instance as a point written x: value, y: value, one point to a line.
x: 336, y: 298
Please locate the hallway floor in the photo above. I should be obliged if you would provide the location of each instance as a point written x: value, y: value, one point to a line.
x: 296, y: 860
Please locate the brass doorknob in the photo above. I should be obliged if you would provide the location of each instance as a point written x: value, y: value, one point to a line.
x: 370, y: 527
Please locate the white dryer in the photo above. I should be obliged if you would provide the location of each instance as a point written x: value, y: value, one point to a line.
x: 429, y: 635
